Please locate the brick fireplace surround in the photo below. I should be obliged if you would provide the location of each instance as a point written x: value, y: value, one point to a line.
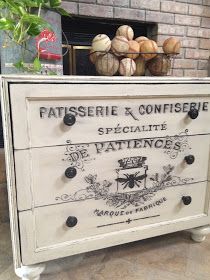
x: 188, y: 20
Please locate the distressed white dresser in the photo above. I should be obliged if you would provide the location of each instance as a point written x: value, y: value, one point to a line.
x: 94, y: 162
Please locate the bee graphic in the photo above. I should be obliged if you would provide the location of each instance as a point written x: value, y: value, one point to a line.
x: 131, y: 180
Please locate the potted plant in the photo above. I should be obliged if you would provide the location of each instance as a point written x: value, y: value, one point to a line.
x: 30, y: 36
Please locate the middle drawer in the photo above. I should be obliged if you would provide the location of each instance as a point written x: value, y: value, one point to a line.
x: 53, y: 175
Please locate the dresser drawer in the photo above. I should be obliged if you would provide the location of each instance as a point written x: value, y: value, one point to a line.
x: 104, y: 112
x: 145, y: 165
x: 46, y: 229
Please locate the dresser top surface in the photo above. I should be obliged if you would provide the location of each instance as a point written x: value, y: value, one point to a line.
x: 102, y: 79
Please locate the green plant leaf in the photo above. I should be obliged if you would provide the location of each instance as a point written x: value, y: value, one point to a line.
x: 6, y: 24
x: 42, y: 2
x: 55, y: 3
x: 19, y: 65
x: 15, y: 8
x: 17, y: 32
x: 2, y: 5
x: 22, y: 10
x: 37, y: 64
x: 62, y: 12
x: 35, y: 29
x: 29, y: 3
x: 37, y: 24
x: 36, y: 20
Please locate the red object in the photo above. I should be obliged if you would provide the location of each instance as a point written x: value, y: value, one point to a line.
x: 46, y: 36
x: 49, y: 56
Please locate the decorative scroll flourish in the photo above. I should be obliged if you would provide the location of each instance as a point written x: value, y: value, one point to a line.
x: 77, y: 196
x: 165, y: 180
x: 77, y: 155
x: 101, y: 190
x: 180, y: 143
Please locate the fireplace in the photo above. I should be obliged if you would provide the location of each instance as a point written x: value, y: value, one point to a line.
x: 79, y: 33
x: 184, y: 19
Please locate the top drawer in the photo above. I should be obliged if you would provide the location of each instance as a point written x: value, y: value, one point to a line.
x: 104, y: 112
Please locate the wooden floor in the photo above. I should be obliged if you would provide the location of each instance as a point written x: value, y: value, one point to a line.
x: 169, y: 257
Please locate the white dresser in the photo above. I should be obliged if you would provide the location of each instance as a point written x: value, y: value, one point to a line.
x: 94, y: 162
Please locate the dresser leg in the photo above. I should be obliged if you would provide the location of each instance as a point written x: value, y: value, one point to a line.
x: 199, y: 234
x: 31, y: 272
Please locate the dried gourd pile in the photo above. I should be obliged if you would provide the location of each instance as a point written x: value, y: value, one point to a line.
x: 128, y: 56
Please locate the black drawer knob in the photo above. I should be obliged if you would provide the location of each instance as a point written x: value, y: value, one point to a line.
x: 193, y: 113
x: 70, y: 172
x: 189, y: 159
x: 187, y: 200
x: 71, y: 221
x: 69, y: 119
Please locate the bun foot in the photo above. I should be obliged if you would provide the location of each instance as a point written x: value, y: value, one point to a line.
x: 31, y: 272
x: 199, y: 234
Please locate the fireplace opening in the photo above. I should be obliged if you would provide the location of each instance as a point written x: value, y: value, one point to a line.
x: 78, y: 33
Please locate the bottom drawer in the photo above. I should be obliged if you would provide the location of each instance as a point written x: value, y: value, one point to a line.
x: 45, y: 235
